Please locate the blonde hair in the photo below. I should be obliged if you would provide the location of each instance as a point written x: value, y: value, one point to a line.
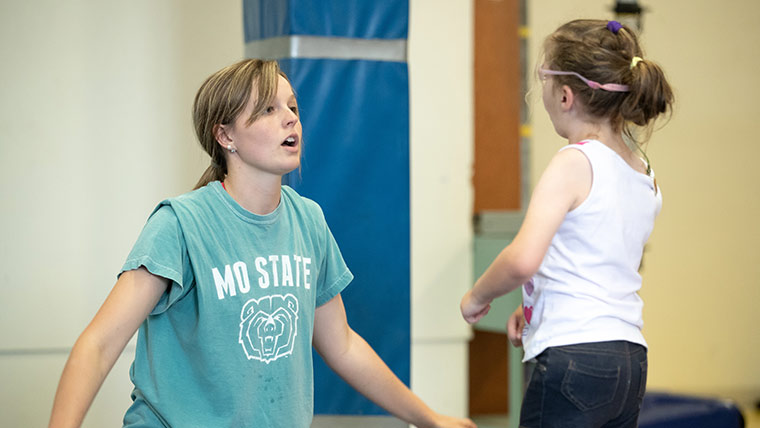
x: 589, y: 48
x: 222, y: 98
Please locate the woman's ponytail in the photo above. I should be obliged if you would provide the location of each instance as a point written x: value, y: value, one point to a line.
x: 224, y: 96
x: 212, y: 173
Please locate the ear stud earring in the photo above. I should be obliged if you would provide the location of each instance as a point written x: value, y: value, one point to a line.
x: 229, y: 147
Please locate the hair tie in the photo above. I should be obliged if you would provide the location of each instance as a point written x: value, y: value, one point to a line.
x: 614, y: 26
x: 635, y: 61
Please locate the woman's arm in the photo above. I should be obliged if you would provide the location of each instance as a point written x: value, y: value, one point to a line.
x: 351, y: 357
x: 135, y: 294
x: 563, y: 186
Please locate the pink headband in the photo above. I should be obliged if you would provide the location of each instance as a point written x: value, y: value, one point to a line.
x: 609, y: 87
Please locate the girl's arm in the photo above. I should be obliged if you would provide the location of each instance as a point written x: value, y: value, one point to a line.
x: 562, y: 187
x: 351, y: 357
x: 135, y: 294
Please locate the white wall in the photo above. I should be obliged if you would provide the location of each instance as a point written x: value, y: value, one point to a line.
x: 441, y: 109
x: 95, y: 129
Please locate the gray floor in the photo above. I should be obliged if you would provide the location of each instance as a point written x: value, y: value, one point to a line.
x: 751, y: 415
x: 492, y: 421
x: 390, y: 422
x: 357, y: 421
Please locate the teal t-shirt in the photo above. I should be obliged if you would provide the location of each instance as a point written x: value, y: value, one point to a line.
x: 229, y: 343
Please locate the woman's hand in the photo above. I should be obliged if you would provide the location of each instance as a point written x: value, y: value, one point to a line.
x: 351, y: 357
x: 443, y: 421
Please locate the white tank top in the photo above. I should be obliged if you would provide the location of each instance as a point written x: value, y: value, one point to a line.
x: 586, y: 289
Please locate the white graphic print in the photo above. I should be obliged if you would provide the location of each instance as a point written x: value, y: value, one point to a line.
x: 269, y: 326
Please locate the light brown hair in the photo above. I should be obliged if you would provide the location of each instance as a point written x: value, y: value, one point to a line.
x: 589, y: 48
x: 223, y: 97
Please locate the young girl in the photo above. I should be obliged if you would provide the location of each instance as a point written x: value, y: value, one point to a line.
x: 578, y: 251
x: 231, y: 285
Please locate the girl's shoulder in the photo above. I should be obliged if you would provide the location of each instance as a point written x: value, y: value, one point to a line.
x: 589, y: 153
x: 577, y: 155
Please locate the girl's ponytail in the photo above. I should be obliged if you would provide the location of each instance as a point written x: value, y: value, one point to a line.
x: 650, y: 94
x: 609, y: 52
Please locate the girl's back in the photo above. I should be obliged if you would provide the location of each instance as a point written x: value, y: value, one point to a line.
x: 589, y: 276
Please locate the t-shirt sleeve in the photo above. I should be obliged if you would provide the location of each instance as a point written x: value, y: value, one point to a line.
x: 161, y: 249
x: 335, y: 274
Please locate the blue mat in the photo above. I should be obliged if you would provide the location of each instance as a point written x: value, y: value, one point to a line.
x: 662, y: 410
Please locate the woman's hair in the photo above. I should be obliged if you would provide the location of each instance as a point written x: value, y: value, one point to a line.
x: 222, y: 97
x: 606, y: 55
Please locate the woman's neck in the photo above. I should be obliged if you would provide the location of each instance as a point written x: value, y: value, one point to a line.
x: 259, y: 196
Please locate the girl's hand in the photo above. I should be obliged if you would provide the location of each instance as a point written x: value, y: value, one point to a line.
x: 443, y: 421
x: 472, y: 309
x: 515, y: 326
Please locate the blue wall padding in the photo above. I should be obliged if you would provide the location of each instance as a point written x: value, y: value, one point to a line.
x: 364, y: 19
x: 355, y: 116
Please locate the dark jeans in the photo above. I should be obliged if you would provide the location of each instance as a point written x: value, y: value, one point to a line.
x: 585, y: 386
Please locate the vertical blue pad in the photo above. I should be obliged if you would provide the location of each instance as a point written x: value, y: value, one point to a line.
x: 356, y: 165
x: 355, y: 115
x: 361, y: 19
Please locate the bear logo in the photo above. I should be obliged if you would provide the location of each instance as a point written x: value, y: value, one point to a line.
x: 268, y: 327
